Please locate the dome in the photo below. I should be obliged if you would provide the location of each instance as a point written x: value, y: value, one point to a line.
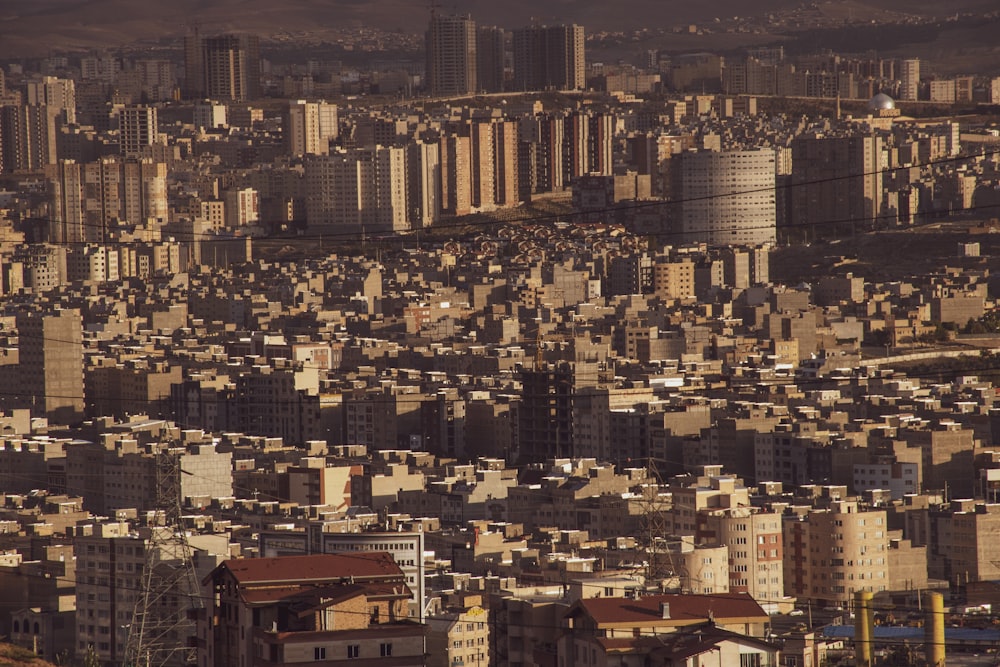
x: 881, y: 101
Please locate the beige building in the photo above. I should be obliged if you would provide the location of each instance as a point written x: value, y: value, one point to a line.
x: 309, y: 127
x: 50, y: 363
x: 673, y: 279
x: 89, y: 199
x: 332, y: 608
x: 726, y: 198
x: 460, y: 633
x: 361, y: 190
x: 831, y: 553
x: 754, y: 540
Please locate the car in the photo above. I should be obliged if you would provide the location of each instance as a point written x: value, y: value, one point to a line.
x: 796, y: 612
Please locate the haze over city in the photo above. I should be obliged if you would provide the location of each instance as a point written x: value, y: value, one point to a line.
x: 499, y: 334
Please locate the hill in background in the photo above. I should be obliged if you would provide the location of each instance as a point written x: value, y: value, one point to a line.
x: 40, y: 26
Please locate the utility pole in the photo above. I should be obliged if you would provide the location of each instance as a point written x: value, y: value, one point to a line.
x: 168, y: 594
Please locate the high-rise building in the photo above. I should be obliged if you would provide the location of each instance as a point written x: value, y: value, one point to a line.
x: 549, y: 57
x: 87, y: 200
x: 836, y: 184
x: 456, y: 165
x: 829, y: 554
x: 724, y: 198
x: 230, y: 67
x: 545, y: 412
x: 194, y: 66
x: 50, y: 363
x: 909, y: 79
x: 491, y: 52
x: 137, y: 129
x: 358, y: 190
x: 309, y: 127
x: 27, y: 137
x: 505, y: 172
x: 423, y: 183
x: 242, y: 208
x: 451, y: 55
x: 481, y: 170
x: 59, y: 95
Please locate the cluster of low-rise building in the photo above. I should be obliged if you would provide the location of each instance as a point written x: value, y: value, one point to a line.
x: 253, y: 389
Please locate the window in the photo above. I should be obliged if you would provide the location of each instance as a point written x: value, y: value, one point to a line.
x: 353, y: 650
x: 319, y: 653
x: 385, y: 649
x: 751, y: 660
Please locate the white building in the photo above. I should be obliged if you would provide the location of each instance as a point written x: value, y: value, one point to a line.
x: 242, y: 208
x: 362, y: 190
x: 311, y: 126
x: 209, y: 115
x: 909, y: 74
x: 725, y: 198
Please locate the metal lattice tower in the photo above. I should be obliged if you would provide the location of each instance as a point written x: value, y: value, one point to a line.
x: 169, y: 593
x: 659, y: 562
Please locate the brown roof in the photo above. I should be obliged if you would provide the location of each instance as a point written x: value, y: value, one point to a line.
x: 683, y: 609
x: 311, y: 569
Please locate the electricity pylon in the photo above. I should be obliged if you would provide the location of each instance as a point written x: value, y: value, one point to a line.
x: 169, y: 592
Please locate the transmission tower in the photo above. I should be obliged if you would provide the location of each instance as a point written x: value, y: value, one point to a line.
x: 169, y: 592
x: 659, y: 561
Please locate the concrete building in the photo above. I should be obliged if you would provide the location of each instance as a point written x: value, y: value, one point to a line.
x: 89, y: 200
x: 58, y: 95
x: 460, y: 633
x: 830, y: 553
x: 451, y: 55
x: 309, y: 127
x: 230, y: 67
x: 549, y: 57
x: 909, y: 74
x: 242, y: 208
x: 725, y: 198
x: 319, y: 537
x: 50, y: 364
x: 137, y: 129
x: 355, y: 609
x: 360, y: 191
x: 491, y: 51
x: 210, y: 115
x: 836, y: 185
x: 756, y: 553
x: 27, y: 137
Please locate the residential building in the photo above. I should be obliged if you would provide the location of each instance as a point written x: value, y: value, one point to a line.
x: 549, y: 57
x: 725, y: 198
x: 50, y: 364
x: 451, y: 55
x: 334, y: 608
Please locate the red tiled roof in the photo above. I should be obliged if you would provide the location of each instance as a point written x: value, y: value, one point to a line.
x: 683, y: 609
x: 311, y: 569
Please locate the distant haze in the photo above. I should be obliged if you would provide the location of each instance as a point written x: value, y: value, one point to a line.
x: 36, y: 27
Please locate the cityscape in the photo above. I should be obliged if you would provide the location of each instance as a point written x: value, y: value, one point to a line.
x: 499, y: 336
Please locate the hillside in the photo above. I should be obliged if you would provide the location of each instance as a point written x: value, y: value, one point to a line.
x: 37, y: 27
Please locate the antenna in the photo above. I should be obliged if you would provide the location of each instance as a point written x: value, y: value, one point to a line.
x: 163, y: 618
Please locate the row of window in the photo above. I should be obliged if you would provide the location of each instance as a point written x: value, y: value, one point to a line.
x: 353, y: 651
